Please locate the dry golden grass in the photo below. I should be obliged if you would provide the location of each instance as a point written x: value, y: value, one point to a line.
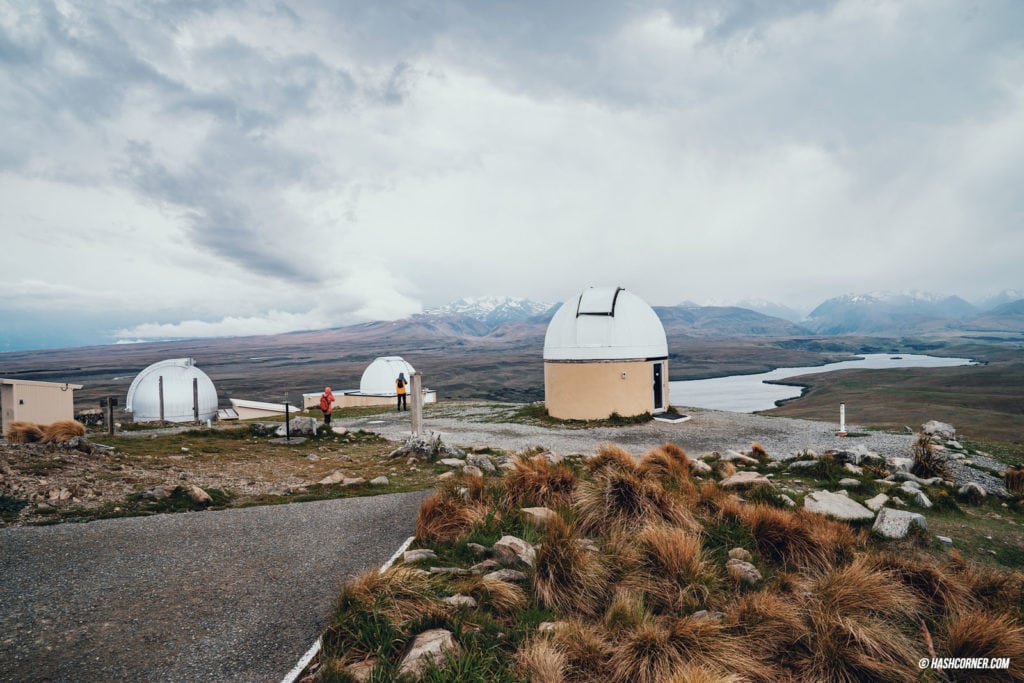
x: 20, y: 431
x: 672, y: 573
x: 446, y: 516
x: 541, y: 662
x: 62, y: 430
x: 586, y: 648
x: 619, y: 499
x: 700, y: 673
x: 758, y: 451
x: 708, y: 643
x: 857, y: 620
x: 626, y: 611
x: 800, y: 539
x: 401, y: 594
x: 644, y: 654
x: 724, y: 469
x: 566, y: 576
x: 937, y: 587
x: 1014, y: 480
x: 501, y: 596
x: 990, y: 587
x: 669, y: 465
x: 610, y: 455
x: 982, y: 634
x: 768, y: 622
x: 535, y: 481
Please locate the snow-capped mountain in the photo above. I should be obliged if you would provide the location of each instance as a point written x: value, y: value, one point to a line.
x: 493, y: 310
x: 1004, y: 297
x: 886, y: 312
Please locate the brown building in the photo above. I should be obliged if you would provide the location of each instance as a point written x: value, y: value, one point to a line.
x: 605, y: 352
x: 39, y: 402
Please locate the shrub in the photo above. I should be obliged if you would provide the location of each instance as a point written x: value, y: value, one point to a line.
x: 978, y: 634
x: 446, y: 516
x: 566, y: 575
x: 535, y: 481
x: 62, y: 430
x: 926, y: 462
x: 671, y: 573
x: 20, y: 431
x: 614, y: 498
x: 1014, y: 480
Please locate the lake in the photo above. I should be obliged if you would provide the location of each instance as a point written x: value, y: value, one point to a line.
x: 749, y: 393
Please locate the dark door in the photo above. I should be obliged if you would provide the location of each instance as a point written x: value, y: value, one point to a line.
x: 658, y: 400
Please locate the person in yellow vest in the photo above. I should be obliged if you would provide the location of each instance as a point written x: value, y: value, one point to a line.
x: 400, y: 386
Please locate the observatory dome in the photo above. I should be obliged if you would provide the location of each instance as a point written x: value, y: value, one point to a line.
x: 380, y: 375
x: 605, y: 323
x: 178, y: 374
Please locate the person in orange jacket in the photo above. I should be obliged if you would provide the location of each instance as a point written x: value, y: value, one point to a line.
x: 400, y: 386
x: 327, y: 404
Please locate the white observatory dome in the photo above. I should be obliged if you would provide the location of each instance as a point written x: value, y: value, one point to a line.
x: 380, y: 375
x: 144, y: 394
x: 605, y: 323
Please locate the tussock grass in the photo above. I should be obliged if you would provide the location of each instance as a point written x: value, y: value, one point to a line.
x: 21, y: 431
x: 536, y: 482
x: 700, y: 673
x: 540, y: 661
x: 669, y: 465
x: 1014, y: 480
x: 934, y: 585
x: 400, y: 594
x: 626, y: 611
x: 644, y: 654
x: 926, y: 463
x: 989, y: 587
x: 586, y: 647
x: 798, y: 539
x: 621, y: 499
x: 446, y: 516
x: 62, y: 430
x: 611, y: 456
x: 501, y: 596
x: 972, y: 633
x: 672, y: 573
x: 566, y: 576
x: 758, y: 451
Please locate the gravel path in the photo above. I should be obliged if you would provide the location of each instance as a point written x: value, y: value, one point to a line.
x: 481, y: 424
x: 233, y: 595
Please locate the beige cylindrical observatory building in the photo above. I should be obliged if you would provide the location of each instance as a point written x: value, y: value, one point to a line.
x: 605, y: 352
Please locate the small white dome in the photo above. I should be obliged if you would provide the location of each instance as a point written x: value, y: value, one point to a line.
x: 605, y: 323
x: 380, y: 375
x: 144, y: 394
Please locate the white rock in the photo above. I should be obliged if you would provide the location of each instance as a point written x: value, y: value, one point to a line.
x: 837, y: 506
x: 896, y: 523
x: 942, y: 430
x: 954, y: 445
x: 352, y: 481
x: 877, y: 503
x: 920, y: 499
x: 849, y: 483
x: 334, y: 477
x: 801, y: 464
x: 506, y: 575
x: 787, y: 500
x: 446, y: 475
x: 733, y: 456
x: 743, y: 571
x: 970, y: 488
x: 853, y: 469
x: 744, y: 479
x: 700, y: 467
x: 452, y: 462
x: 899, y: 464
x: 460, y: 601
x: 539, y: 516
x: 418, y: 554
x: 510, y: 549
x: 198, y: 495
x: 945, y: 540
x: 740, y: 554
x: 472, y: 471
x: 428, y: 646
x: 379, y: 481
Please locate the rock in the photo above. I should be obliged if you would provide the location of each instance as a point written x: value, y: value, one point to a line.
x: 971, y: 490
x: 427, y: 448
x: 159, y: 492
x: 334, y: 477
x: 550, y: 626
x: 506, y: 575
x: 942, y: 430
x: 910, y: 487
x: 849, y: 483
x: 481, y: 461
x: 742, y: 571
x: 299, y: 426
x: 787, y: 500
x: 339, y: 430
x: 472, y: 471
x: 380, y: 481
x: 460, y: 601
x: 313, y: 457
x: 955, y: 445
x: 361, y: 671
x: 452, y: 462
x: 552, y: 457
x: 704, y: 614
x: 896, y: 523
x: 587, y: 544
x: 485, y: 567
x: 745, y: 479
x: 909, y: 476
x: 512, y: 550
x: 352, y: 481
x: 477, y: 548
x: 739, y: 554
x: 945, y: 540
x: 899, y: 464
x: 836, y: 506
x: 451, y: 571
x: 733, y: 456
x: 446, y: 475
x: 418, y: 554
x: 877, y: 503
x: 700, y: 467
x: 920, y: 499
x: 853, y: 469
x: 773, y: 465
x: 896, y: 500
x: 198, y: 495
x: 429, y: 646
x: 539, y: 516
x: 802, y: 464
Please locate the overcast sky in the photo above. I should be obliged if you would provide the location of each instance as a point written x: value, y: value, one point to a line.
x: 203, y: 168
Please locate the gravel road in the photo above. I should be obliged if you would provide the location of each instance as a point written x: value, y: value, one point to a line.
x: 232, y: 595
x: 481, y: 424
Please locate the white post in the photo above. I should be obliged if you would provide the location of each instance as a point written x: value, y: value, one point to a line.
x: 842, y: 418
x: 416, y: 389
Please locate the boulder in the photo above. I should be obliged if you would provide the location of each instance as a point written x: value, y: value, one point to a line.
x: 429, y: 646
x: 485, y: 567
x: 743, y: 572
x: 745, y: 480
x: 446, y: 475
x: 477, y: 548
x: 460, y: 601
x: 892, y: 523
x: 418, y: 554
x: 539, y: 516
x: 942, y: 430
x: 944, y: 540
x: 896, y: 464
x: 334, y: 477
x: 512, y: 550
x: 481, y: 461
x: 429, y: 448
x: 159, y: 492
x: 198, y: 495
x: 739, y: 554
x: 380, y: 481
x: 849, y: 483
x: 971, y: 490
x: 452, y: 462
x: 700, y: 467
x: 955, y: 445
x: 802, y: 464
x: 787, y: 500
x: 836, y: 506
x: 300, y: 426
x: 733, y: 456
x: 506, y: 575
x: 472, y: 471
x: 853, y: 469
x: 877, y: 503
x: 920, y: 499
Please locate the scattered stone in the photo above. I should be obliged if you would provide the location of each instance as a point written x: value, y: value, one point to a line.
x: 836, y: 506
x: 159, y: 492
x: 452, y: 462
x: 849, y: 483
x: 896, y: 500
x: 971, y: 490
x: 418, y: 554
x: 733, y: 456
x: 185, y: 450
x: 485, y: 567
x: 380, y: 481
x: 739, y: 554
x: 896, y: 464
x: 877, y: 503
x: 802, y: 464
x: 550, y: 626
x: 787, y: 500
x: 539, y: 516
x: 773, y: 465
x: 909, y: 476
x: 921, y: 500
x: 460, y: 601
x: 506, y: 575
x: 481, y: 461
x: 451, y: 571
x: 745, y: 479
x: 896, y: 523
x: 587, y: 544
x: 853, y: 469
x: 700, y: 467
x: 477, y: 548
x: 704, y: 614
x: 198, y: 495
x: 339, y: 430
x: 512, y: 550
x: 743, y: 572
x: 942, y: 430
x: 361, y: 671
x: 428, y: 448
x: 955, y: 445
x: 334, y: 477
x: 300, y: 426
x: 446, y: 475
x: 429, y: 646
x: 313, y: 457
x: 945, y: 540
x: 910, y: 487
x: 472, y: 471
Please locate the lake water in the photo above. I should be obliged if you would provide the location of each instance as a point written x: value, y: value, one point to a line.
x: 749, y: 393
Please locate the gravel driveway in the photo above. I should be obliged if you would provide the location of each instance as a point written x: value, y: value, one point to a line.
x: 481, y: 424
x: 232, y: 595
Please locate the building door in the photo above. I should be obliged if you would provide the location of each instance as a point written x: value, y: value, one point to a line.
x: 659, y: 402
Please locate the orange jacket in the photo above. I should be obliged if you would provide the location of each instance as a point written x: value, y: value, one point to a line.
x: 326, y: 400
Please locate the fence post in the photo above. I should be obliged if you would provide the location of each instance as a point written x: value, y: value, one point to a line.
x: 417, y: 403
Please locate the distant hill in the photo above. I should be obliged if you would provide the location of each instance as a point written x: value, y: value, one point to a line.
x: 492, y: 311
x: 888, y: 313
x: 1007, y: 296
x: 723, y: 321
